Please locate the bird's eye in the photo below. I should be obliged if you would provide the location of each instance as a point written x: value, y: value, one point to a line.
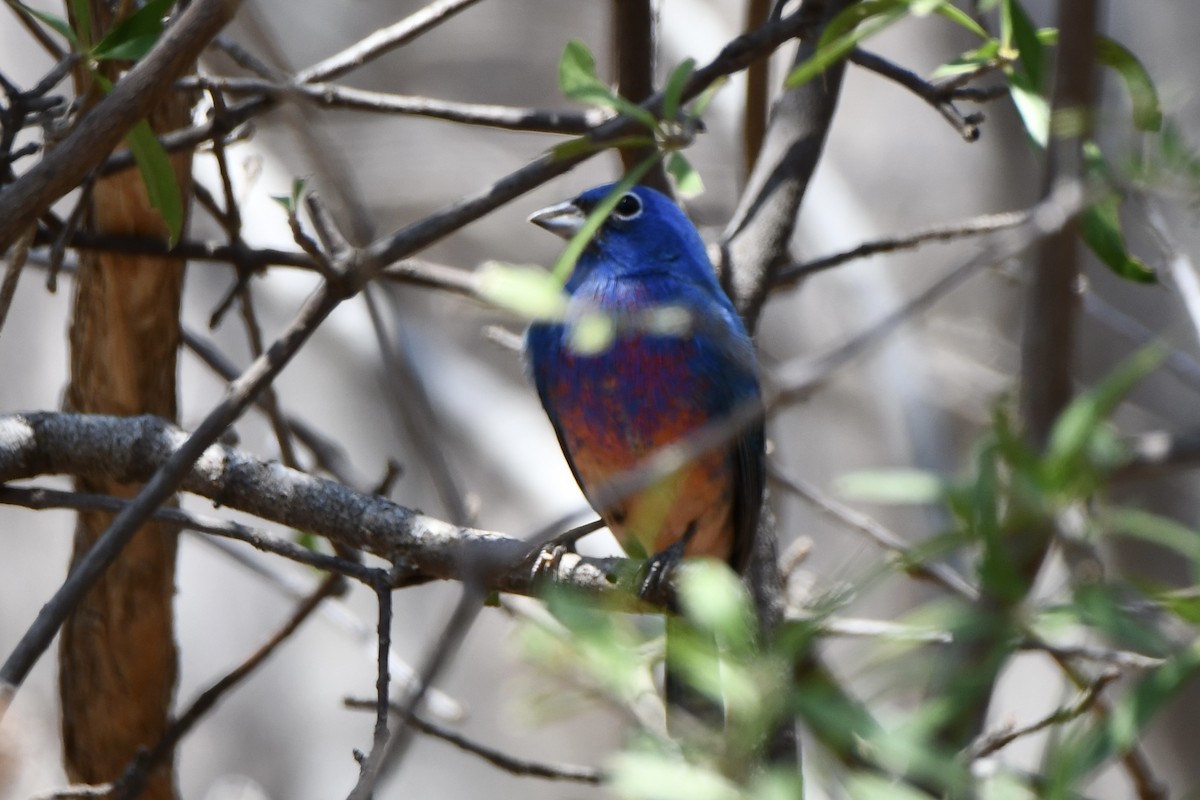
x: 628, y: 207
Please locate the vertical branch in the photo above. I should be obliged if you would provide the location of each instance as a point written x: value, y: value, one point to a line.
x: 755, y: 242
x: 754, y: 119
x: 1048, y: 326
x: 1051, y: 300
x: 633, y: 54
x: 117, y: 656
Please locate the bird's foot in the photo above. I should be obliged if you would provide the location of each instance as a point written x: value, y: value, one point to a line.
x: 654, y: 584
x: 547, y: 560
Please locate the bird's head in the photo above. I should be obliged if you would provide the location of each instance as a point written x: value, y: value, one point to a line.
x: 646, y: 233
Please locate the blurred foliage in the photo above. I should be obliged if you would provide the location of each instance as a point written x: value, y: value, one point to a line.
x: 129, y: 40
x: 889, y: 747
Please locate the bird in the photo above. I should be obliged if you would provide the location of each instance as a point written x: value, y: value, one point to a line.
x: 655, y: 384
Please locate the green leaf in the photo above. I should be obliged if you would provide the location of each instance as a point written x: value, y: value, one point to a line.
x: 1032, y: 106
x: 577, y: 77
x: 1017, y: 31
x: 650, y: 776
x: 843, y: 33
x: 592, y: 333
x: 961, y: 18
x: 673, y: 93
x: 987, y: 53
x: 57, y: 23
x: 529, y: 292
x: 582, y: 145
x: 714, y: 600
x: 1100, y: 225
x: 159, y: 177
x: 1119, y: 731
x: 863, y: 786
x: 903, y: 486
x: 83, y: 21
x: 570, y: 254
x: 1147, y: 110
x: 687, y: 179
x: 1158, y: 530
x: 1078, y: 424
x: 133, y: 37
x: 291, y: 202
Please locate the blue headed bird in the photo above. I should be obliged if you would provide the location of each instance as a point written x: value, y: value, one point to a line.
x: 651, y: 387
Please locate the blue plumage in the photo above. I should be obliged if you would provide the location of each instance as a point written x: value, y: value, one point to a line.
x: 658, y: 382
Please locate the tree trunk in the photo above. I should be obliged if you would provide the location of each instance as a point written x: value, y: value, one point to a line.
x: 117, y: 659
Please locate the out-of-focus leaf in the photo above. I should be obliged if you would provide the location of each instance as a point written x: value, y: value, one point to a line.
x: 575, y: 247
x: 687, y: 179
x: 530, y: 292
x: 863, y: 786
x: 157, y: 174
x: 83, y: 23
x: 960, y: 17
x: 1147, y: 108
x: 673, y: 91
x: 902, y: 486
x: 577, y: 77
x: 1158, y: 530
x: 1100, y: 225
x: 843, y: 33
x: 649, y: 776
x: 1032, y: 106
x: 1117, y: 732
x: 582, y: 145
x: 133, y: 37
x: 715, y: 601
x: 57, y: 23
x: 1017, y: 31
x: 987, y: 53
x: 291, y: 203
x: 1079, y: 422
x: 592, y: 333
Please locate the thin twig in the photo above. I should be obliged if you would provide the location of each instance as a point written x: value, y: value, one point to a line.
x: 12, y: 274
x: 334, y: 96
x: 990, y: 743
x: 131, y: 783
x: 950, y: 231
x: 966, y: 125
x: 383, y: 41
x: 43, y: 498
x: 910, y: 561
x: 506, y: 762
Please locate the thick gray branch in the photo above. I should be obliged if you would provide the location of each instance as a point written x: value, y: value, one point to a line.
x: 132, y: 448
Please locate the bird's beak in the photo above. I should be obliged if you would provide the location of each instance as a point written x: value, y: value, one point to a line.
x: 564, y: 219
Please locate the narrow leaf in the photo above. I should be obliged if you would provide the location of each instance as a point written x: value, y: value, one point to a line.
x: 157, y: 174
x: 1100, y: 225
x: 57, y: 23
x: 843, y: 33
x: 1032, y: 106
x: 1024, y: 37
x: 687, y: 179
x: 1079, y: 422
x: 893, y: 486
x: 673, y: 92
x: 529, y: 292
x: 1147, y: 110
x: 133, y: 37
x: 570, y: 254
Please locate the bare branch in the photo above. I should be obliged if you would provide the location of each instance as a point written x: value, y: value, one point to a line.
x: 330, y: 95
x: 942, y: 100
x: 94, y: 136
x: 506, y: 762
x: 950, y: 231
x: 992, y: 742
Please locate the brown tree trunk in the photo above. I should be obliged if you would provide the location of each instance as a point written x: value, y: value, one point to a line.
x: 117, y: 659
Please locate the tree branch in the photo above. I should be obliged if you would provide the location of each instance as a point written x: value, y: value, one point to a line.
x: 95, y: 136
